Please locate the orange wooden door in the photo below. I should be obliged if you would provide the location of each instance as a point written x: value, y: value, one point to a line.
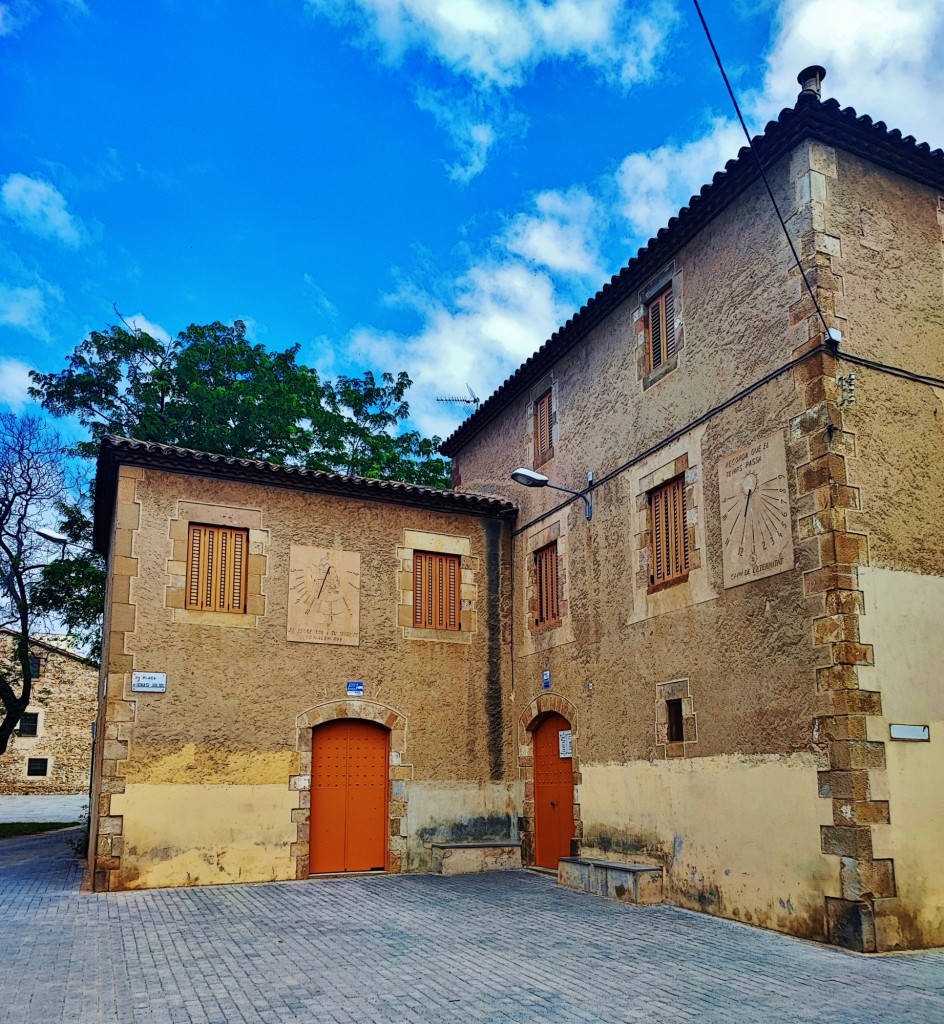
x: 553, y: 794
x: 348, y: 797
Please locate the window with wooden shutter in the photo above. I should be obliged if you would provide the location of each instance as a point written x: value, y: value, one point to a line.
x: 436, y: 581
x: 546, y: 585
x: 542, y: 429
x: 669, y: 545
x: 217, y: 558
x: 660, y: 329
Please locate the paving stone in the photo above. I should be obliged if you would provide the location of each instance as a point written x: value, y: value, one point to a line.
x: 501, y: 948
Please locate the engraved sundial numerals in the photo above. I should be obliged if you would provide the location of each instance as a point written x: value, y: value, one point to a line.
x: 754, y: 502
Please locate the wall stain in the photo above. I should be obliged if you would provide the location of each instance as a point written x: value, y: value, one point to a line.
x: 494, y: 711
x: 469, y: 830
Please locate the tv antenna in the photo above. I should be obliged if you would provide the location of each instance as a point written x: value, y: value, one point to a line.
x: 472, y: 400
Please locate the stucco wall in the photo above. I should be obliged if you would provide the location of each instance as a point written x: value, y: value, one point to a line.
x: 227, y: 732
x: 738, y: 835
x: 780, y: 692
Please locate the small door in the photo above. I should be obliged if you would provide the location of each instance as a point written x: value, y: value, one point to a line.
x: 348, y: 797
x: 553, y: 792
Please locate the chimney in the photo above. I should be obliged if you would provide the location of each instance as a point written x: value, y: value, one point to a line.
x: 810, y: 80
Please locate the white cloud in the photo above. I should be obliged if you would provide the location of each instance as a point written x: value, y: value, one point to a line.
x: 39, y: 207
x: 562, y: 236
x: 140, y: 322
x: 24, y: 309
x: 654, y: 185
x: 14, y: 15
x: 497, y: 42
x: 14, y: 382
x: 467, y: 126
x: 881, y: 57
x: 499, y: 308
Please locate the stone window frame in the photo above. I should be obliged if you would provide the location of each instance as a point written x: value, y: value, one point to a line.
x: 35, y: 778
x: 647, y: 295
x: 547, y: 385
x: 400, y: 774
x: 550, y: 534
x: 649, y: 601
x: 40, y: 725
x: 212, y: 514
x: 469, y: 569
x: 675, y: 689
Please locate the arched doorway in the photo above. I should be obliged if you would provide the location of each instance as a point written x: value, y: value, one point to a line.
x: 553, y: 791
x: 349, y: 816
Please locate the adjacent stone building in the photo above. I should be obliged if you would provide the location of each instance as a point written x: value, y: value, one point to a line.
x: 719, y: 659
x: 51, y: 751
x: 260, y: 616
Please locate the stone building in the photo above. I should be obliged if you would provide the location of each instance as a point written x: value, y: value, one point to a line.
x: 51, y: 751
x: 748, y: 632
x: 725, y: 674
x: 260, y: 617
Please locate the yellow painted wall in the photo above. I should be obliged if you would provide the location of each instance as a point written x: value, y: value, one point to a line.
x: 456, y: 812
x: 903, y: 621
x: 737, y: 834
x: 205, y: 834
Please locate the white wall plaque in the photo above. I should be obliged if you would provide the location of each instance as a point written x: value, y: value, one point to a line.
x: 149, y: 682
x: 565, y: 740
x: 919, y: 733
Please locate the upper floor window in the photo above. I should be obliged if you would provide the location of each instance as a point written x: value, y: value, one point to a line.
x: 36, y: 666
x: 436, y: 591
x: 669, y: 545
x: 29, y: 723
x: 543, y: 447
x: 546, y: 585
x: 660, y: 329
x: 217, y: 558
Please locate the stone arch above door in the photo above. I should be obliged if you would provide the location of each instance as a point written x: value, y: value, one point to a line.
x: 400, y: 773
x: 543, y: 704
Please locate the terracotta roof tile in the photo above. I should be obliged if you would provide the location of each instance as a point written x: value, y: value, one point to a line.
x: 117, y: 451
x: 810, y: 118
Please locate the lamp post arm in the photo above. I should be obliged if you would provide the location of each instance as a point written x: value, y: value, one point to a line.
x: 579, y: 494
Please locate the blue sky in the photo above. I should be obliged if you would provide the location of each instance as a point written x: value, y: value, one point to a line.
x: 422, y: 185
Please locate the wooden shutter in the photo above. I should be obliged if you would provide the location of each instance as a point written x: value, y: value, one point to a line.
x: 546, y: 582
x: 217, y: 558
x: 542, y: 427
x: 660, y: 315
x: 436, y: 580
x: 669, y: 533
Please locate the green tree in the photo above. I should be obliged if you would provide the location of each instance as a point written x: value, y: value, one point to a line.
x: 372, y: 444
x: 32, y: 480
x: 71, y: 588
x: 213, y: 390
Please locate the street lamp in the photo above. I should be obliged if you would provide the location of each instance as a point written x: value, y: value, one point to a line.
x: 53, y: 537
x: 528, y: 478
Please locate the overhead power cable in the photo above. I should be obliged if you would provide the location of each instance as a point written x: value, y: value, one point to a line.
x: 760, y: 166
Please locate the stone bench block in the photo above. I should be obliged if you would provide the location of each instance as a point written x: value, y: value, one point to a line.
x: 616, y: 880
x: 470, y: 858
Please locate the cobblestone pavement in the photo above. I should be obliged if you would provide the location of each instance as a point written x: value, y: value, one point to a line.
x: 43, y: 808
x: 497, y: 948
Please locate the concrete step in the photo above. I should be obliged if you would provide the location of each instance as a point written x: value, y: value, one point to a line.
x: 616, y: 880
x: 470, y: 858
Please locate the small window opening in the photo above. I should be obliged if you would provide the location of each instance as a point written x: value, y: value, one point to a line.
x: 35, y: 667
x: 676, y: 733
x: 37, y: 767
x: 29, y: 723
